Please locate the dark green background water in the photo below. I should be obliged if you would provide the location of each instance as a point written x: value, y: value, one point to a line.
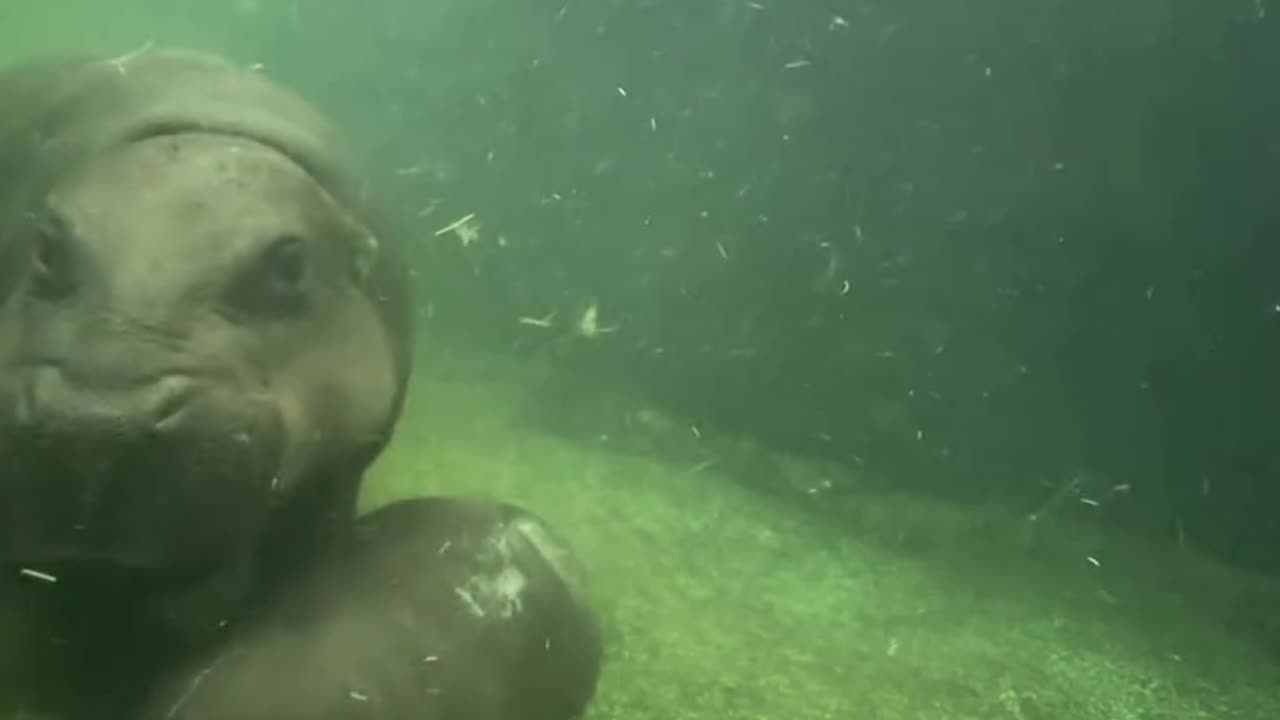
x: 1057, y: 220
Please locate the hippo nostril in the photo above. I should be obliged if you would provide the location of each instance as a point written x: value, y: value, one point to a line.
x: 170, y: 399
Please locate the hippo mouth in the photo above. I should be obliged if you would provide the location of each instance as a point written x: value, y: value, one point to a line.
x: 168, y: 472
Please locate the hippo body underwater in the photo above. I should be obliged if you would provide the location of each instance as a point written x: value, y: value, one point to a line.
x: 205, y: 340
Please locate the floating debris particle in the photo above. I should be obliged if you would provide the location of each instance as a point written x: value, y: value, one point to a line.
x: 467, y: 231
x: 589, y: 323
x: 542, y: 322
x: 38, y: 575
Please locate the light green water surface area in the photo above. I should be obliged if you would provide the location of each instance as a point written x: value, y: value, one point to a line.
x: 720, y: 603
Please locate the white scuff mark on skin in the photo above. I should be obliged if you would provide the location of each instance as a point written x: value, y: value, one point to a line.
x: 509, y: 587
x: 496, y: 589
x: 38, y: 575
x: 498, y: 595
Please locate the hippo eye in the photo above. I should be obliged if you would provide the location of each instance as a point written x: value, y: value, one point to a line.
x: 276, y: 282
x: 51, y: 270
x: 285, y: 266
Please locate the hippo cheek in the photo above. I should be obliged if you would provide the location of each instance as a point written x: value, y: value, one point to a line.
x: 336, y: 396
x: 82, y: 480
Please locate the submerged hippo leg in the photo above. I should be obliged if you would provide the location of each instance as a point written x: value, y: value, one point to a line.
x: 434, y: 609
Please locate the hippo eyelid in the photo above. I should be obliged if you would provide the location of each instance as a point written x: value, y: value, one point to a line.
x: 274, y: 281
x: 290, y: 248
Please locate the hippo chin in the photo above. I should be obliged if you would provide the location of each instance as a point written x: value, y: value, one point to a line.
x: 204, y: 342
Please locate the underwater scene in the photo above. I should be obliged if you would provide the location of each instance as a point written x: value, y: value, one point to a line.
x: 631, y: 359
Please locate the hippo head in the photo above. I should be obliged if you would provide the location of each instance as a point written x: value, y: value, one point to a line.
x: 198, y: 330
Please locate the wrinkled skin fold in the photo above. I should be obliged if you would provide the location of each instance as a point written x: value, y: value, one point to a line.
x: 205, y: 340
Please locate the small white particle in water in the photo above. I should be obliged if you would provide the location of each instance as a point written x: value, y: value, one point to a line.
x: 28, y: 572
x: 1093, y: 561
x: 444, y: 547
x: 622, y: 91
x: 357, y: 696
x: 430, y: 658
x: 195, y: 683
x: 469, y: 601
x: 653, y: 124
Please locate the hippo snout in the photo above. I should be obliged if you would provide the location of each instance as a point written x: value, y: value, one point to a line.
x: 144, y: 470
x: 53, y: 399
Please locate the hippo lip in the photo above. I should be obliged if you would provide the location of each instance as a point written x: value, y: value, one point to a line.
x: 118, y: 378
